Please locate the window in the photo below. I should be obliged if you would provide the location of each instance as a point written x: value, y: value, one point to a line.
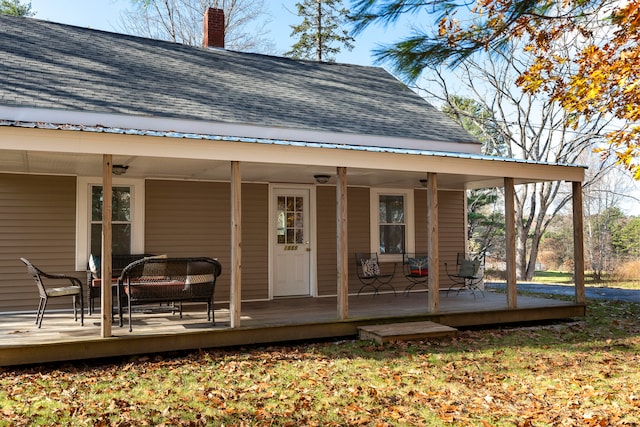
x: 392, y: 230
x: 127, y: 218
x: 391, y: 224
x: 290, y: 220
x: 120, y: 221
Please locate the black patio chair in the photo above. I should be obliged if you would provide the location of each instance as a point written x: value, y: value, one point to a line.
x: 467, y: 275
x: 73, y: 289
x: 416, y: 270
x: 370, y: 274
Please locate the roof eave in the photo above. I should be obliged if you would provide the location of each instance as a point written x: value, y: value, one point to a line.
x: 116, y: 122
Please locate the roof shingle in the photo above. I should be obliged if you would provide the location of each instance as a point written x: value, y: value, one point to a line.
x: 50, y: 65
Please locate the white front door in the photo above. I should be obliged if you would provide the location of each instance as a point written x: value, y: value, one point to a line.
x: 290, y: 242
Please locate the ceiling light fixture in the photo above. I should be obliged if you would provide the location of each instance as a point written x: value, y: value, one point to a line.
x: 119, y: 169
x: 322, y: 179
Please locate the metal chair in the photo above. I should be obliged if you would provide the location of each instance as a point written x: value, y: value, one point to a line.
x: 370, y: 274
x: 74, y: 289
x: 416, y: 269
x: 467, y: 275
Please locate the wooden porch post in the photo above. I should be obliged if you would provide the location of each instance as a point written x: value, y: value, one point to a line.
x: 236, y: 245
x: 578, y: 242
x: 433, y: 280
x: 342, y: 244
x: 106, y: 288
x: 510, y: 241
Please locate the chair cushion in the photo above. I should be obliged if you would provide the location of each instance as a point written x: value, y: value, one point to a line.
x: 155, y: 268
x: 469, y: 268
x: 370, y: 267
x: 419, y: 266
x: 95, y: 264
x: 198, y: 278
x: 96, y: 283
x: 60, y: 292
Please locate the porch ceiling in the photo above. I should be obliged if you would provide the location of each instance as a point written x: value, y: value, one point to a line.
x: 14, y: 161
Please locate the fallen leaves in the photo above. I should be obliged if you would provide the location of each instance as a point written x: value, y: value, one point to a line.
x: 582, y: 373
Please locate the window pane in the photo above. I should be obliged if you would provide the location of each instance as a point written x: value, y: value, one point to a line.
x: 290, y: 226
x: 121, y: 235
x: 121, y: 203
x: 392, y: 239
x: 96, y: 239
x: 121, y: 239
x: 121, y: 209
x: 96, y: 204
x: 391, y: 209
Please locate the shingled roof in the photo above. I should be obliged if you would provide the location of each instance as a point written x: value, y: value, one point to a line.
x: 55, y: 66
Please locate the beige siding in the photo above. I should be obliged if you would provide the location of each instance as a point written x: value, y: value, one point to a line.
x: 420, y: 209
x: 37, y: 222
x: 359, y: 230
x: 255, y: 241
x: 452, y: 217
x: 326, y: 245
x: 193, y: 219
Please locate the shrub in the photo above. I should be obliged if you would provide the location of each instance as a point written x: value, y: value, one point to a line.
x: 627, y: 271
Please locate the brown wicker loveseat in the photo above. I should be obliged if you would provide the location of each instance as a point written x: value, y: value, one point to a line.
x: 170, y: 280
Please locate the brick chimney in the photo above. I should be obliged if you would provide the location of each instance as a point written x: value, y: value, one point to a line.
x: 213, y: 28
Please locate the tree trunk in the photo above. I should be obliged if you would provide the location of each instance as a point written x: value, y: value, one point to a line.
x: 319, y: 32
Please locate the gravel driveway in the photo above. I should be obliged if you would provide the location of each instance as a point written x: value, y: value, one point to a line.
x: 613, y: 294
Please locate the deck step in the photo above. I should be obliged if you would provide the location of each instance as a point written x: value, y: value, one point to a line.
x: 405, y: 331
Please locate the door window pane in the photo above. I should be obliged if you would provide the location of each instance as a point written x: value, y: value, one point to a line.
x: 290, y: 223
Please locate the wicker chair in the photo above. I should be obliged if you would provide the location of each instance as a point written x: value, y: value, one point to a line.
x: 74, y: 289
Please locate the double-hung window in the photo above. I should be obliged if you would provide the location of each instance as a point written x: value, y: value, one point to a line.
x: 127, y: 222
x: 120, y: 220
x: 392, y: 228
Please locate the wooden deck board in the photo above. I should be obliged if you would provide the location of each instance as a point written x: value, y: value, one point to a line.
x: 406, y: 331
x: 60, y: 338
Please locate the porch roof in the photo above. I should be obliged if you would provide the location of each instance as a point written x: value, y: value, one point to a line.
x: 54, y: 149
x: 65, y: 69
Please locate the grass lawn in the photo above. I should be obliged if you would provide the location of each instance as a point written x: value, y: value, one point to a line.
x: 582, y: 372
x: 566, y: 278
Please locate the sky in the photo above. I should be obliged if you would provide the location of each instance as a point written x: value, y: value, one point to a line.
x: 104, y: 15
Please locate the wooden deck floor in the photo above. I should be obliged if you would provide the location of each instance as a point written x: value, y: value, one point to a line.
x: 60, y: 338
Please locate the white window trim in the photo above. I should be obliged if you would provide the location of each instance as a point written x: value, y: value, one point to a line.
x: 410, y: 237
x: 83, y: 215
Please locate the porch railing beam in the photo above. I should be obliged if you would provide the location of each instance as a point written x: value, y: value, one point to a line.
x: 510, y: 241
x: 578, y: 242
x: 236, y: 245
x: 106, y: 263
x: 433, y: 281
x: 342, y: 243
